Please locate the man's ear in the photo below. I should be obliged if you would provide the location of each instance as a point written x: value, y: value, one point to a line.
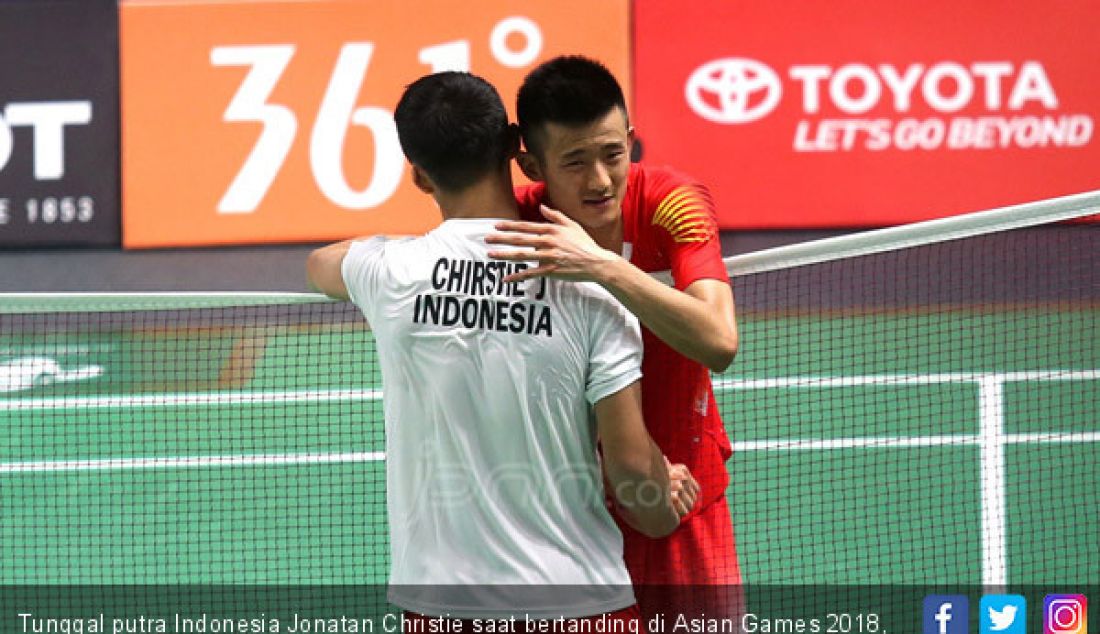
x: 634, y: 146
x: 421, y: 180
x: 513, y: 140
x: 529, y: 164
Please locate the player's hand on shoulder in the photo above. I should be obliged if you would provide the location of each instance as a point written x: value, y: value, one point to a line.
x: 560, y: 248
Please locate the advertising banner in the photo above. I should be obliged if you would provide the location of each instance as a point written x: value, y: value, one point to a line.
x: 59, y: 155
x: 851, y: 114
x: 255, y: 122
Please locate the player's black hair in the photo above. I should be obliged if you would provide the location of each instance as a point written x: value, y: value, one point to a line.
x: 569, y: 90
x: 454, y: 126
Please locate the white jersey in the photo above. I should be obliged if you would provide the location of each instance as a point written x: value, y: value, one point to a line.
x: 492, y: 470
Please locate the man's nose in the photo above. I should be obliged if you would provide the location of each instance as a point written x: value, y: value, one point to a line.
x: 599, y: 179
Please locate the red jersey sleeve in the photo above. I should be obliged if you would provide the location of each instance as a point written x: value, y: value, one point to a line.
x: 529, y: 197
x: 685, y: 225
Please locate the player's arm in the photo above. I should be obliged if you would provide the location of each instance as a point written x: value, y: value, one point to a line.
x: 698, y: 322
x: 323, y: 269
x: 636, y: 471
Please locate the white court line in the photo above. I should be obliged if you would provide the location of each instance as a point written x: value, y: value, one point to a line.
x: 907, y: 442
x: 183, y: 462
x: 127, y: 401
x: 1052, y: 438
x: 123, y: 401
x: 885, y: 442
x: 994, y: 516
x: 903, y: 379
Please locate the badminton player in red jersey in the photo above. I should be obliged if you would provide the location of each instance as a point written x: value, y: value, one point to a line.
x: 593, y: 215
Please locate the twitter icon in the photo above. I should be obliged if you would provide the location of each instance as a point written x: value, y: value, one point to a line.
x: 1003, y: 614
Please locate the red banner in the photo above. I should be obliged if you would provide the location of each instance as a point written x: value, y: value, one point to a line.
x: 848, y: 113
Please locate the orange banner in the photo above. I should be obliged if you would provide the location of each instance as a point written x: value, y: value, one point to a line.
x: 262, y: 122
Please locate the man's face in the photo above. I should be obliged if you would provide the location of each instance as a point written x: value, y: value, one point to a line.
x: 585, y: 168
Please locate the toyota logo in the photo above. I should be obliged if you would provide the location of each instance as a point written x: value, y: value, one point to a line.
x: 733, y: 90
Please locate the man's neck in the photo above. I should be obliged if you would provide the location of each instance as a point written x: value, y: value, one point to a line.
x: 488, y: 198
x: 610, y: 237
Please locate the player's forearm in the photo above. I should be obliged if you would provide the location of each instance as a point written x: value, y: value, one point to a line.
x: 685, y: 323
x: 636, y: 472
x: 323, y: 269
x: 641, y: 489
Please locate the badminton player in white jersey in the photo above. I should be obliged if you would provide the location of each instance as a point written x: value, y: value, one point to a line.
x: 495, y: 394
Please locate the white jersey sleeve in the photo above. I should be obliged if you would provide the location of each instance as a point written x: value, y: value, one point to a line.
x: 615, y: 347
x: 362, y: 271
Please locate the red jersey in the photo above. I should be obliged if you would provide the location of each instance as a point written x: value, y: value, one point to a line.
x: 669, y: 223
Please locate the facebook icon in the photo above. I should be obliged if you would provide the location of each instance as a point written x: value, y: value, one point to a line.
x: 946, y: 614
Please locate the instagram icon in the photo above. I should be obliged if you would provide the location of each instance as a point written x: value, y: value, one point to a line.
x: 1065, y: 614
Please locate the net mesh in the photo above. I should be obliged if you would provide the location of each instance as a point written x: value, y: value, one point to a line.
x: 926, y: 416
x: 922, y: 415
